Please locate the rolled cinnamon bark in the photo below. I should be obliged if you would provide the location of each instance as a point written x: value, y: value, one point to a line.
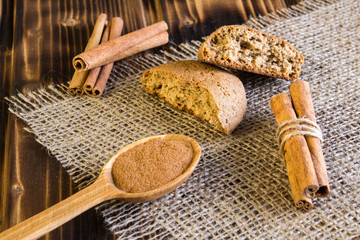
x: 300, y: 199
x: 78, y: 79
x: 155, y: 41
x: 304, y: 108
x: 116, y: 28
x: 296, y: 151
x: 111, y: 50
x: 94, y: 73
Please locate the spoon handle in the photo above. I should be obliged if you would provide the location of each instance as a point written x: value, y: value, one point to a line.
x: 51, y: 218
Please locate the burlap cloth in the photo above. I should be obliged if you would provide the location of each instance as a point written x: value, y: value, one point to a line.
x: 240, y: 189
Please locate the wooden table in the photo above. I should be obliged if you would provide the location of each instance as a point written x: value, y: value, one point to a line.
x: 37, y: 43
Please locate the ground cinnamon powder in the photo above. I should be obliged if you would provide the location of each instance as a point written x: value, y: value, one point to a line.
x: 152, y: 164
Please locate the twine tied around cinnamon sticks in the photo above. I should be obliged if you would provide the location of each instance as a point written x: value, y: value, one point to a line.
x: 302, y: 126
x: 94, y: 65
x: 300, y: 140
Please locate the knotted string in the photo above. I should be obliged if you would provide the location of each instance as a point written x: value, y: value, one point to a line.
x: 303, y: 126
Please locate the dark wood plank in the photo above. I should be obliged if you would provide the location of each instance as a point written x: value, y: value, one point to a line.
x: 38, y: 40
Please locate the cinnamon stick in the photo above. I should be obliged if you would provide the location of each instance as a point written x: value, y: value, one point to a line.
x: 155, y: 41
x: 296, y: 151
x: 78, y: 79
x: 300, y: 199
x: 94, y: 73
x: 304, y: 108
x: 111, y: 50
x: 116, y: 28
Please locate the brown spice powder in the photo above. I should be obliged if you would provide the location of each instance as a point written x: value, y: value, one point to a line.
x: 152, y: 164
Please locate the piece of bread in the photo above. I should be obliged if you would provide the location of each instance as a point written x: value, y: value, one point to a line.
x: 247, y: 49
x: 206, y: 91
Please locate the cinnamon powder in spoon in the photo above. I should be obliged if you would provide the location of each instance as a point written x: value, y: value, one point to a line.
x: 152, y: 164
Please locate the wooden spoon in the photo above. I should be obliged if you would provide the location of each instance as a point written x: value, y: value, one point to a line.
x: 101, y: 190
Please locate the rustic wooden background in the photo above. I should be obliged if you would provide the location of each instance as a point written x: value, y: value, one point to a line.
x: 38, y: 39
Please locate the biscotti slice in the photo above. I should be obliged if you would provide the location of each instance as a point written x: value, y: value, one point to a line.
x: 201, y: 89
x: 247, y: 49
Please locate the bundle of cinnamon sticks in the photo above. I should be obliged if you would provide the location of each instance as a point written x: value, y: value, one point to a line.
x: 300, y: 141
x: 105, y: 46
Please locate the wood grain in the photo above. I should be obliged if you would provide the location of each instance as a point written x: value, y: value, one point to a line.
x: 38, y: 41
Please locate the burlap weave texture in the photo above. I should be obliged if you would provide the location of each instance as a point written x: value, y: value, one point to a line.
x: 240, y: 189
